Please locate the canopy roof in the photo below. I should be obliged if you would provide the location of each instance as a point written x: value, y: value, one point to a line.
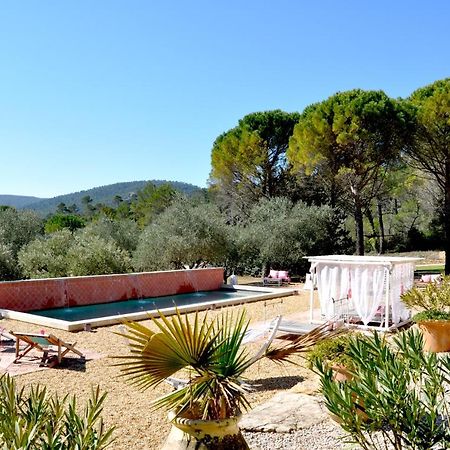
x: 353, y: 259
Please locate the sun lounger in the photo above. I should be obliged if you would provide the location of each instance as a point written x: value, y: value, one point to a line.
x: 293, y: 327
x: 277, y: 277
x: 5, y: 336
x: 251, y: 335
x: 53, y: 349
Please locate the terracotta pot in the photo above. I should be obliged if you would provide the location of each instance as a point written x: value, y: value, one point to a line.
x: 358, y: 409
x: 436, y: 335
x: 187, y: 434
x: 341, y: 373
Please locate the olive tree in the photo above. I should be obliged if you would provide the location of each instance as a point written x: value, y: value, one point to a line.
x: 93, y: 255
x: 124, y: 232
x: 46, y: 257
x: 280, y: 233
x: 17, y: 228
x: 8, y: 264
x: 62, y: 254
x: 187, y: 234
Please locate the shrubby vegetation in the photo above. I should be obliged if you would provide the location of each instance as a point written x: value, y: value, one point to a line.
x: 36, y: 420
x: 18, y: 228
x: 356, y: 172
x: 46, y: 257
x: 8, y: 269
x: 398, y: 396
x: 125, y: 232
x: 279, y: 233
x: 187, y: 234
x: 92, y: 254
x: 58, y: 222
x: 64, y: 253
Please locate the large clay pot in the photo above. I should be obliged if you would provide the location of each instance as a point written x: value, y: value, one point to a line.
x: 436, y: 335
x: 187, y: 434
x: 341, y: 373
x: 358, y: 409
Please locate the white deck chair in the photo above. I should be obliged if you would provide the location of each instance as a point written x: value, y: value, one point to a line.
x: 251, y: 335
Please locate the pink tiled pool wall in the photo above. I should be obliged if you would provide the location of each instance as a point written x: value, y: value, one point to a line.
x: 76, y: 291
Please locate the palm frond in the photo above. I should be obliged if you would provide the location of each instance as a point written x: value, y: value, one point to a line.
x: 213, y: 353
x: 284, y: 353
x: 177, y: 345
x: 231, y: 359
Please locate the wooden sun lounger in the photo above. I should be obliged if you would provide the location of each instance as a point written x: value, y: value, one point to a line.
x: 48, y: 344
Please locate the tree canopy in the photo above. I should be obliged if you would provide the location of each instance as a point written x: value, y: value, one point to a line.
x: 185, y: 235
x: 249, y: 161
x: 59, y: 221
x: 151, y: 201
x: 350, y: 138
x: 280, y: 233
x: 430, y: 147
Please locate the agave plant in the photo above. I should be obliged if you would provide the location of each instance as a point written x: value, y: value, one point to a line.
x: 212, y: 352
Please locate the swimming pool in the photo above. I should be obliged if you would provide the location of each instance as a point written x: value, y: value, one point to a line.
x: 101, y: 314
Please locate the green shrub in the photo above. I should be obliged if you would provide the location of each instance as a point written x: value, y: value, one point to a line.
x: 124, y: 232
x: 333, y: 351
x: 92, y: 255
x: 401, y: 392
x: 8, y: 264
x: 60, y: 221
x: 431, y: 315
x: 63, y: 254
x: 46, y: 257
x: 185, y: 234
x: 18, y: 228
x: 434, y: 300
x: 39, y: 421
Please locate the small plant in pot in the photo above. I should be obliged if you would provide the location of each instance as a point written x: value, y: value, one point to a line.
x: 205, y: 412
x: 433, y: 316
x: 334, y: 354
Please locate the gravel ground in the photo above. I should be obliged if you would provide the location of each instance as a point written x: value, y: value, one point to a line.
x: 128, y: 409
x: 325, y: 436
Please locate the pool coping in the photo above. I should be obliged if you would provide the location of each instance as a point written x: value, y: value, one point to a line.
x: 266, y: 294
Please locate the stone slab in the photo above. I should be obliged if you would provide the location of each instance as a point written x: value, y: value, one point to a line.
x: 286, y: 412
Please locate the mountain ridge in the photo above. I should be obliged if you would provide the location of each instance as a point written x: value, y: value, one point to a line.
x: 18, y: 201
x: 99, y: 194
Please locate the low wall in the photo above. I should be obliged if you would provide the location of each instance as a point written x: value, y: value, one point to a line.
x: 47, y: 293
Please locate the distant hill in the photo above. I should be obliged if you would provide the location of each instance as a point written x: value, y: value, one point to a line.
x: 18, y: 201
x: 103, y: 194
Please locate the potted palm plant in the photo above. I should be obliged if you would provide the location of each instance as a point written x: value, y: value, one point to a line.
x: 433, y: 317
x: 205, y: 412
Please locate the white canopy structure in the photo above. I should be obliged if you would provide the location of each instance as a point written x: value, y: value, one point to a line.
x: 363, y: 290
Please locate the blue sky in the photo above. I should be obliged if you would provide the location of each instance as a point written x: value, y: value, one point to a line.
x: 94, y: 92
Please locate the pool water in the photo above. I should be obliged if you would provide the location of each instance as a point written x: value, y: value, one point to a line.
x: 100, y: 310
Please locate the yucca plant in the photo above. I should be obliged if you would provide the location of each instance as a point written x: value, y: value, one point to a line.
x: 213, y: 354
